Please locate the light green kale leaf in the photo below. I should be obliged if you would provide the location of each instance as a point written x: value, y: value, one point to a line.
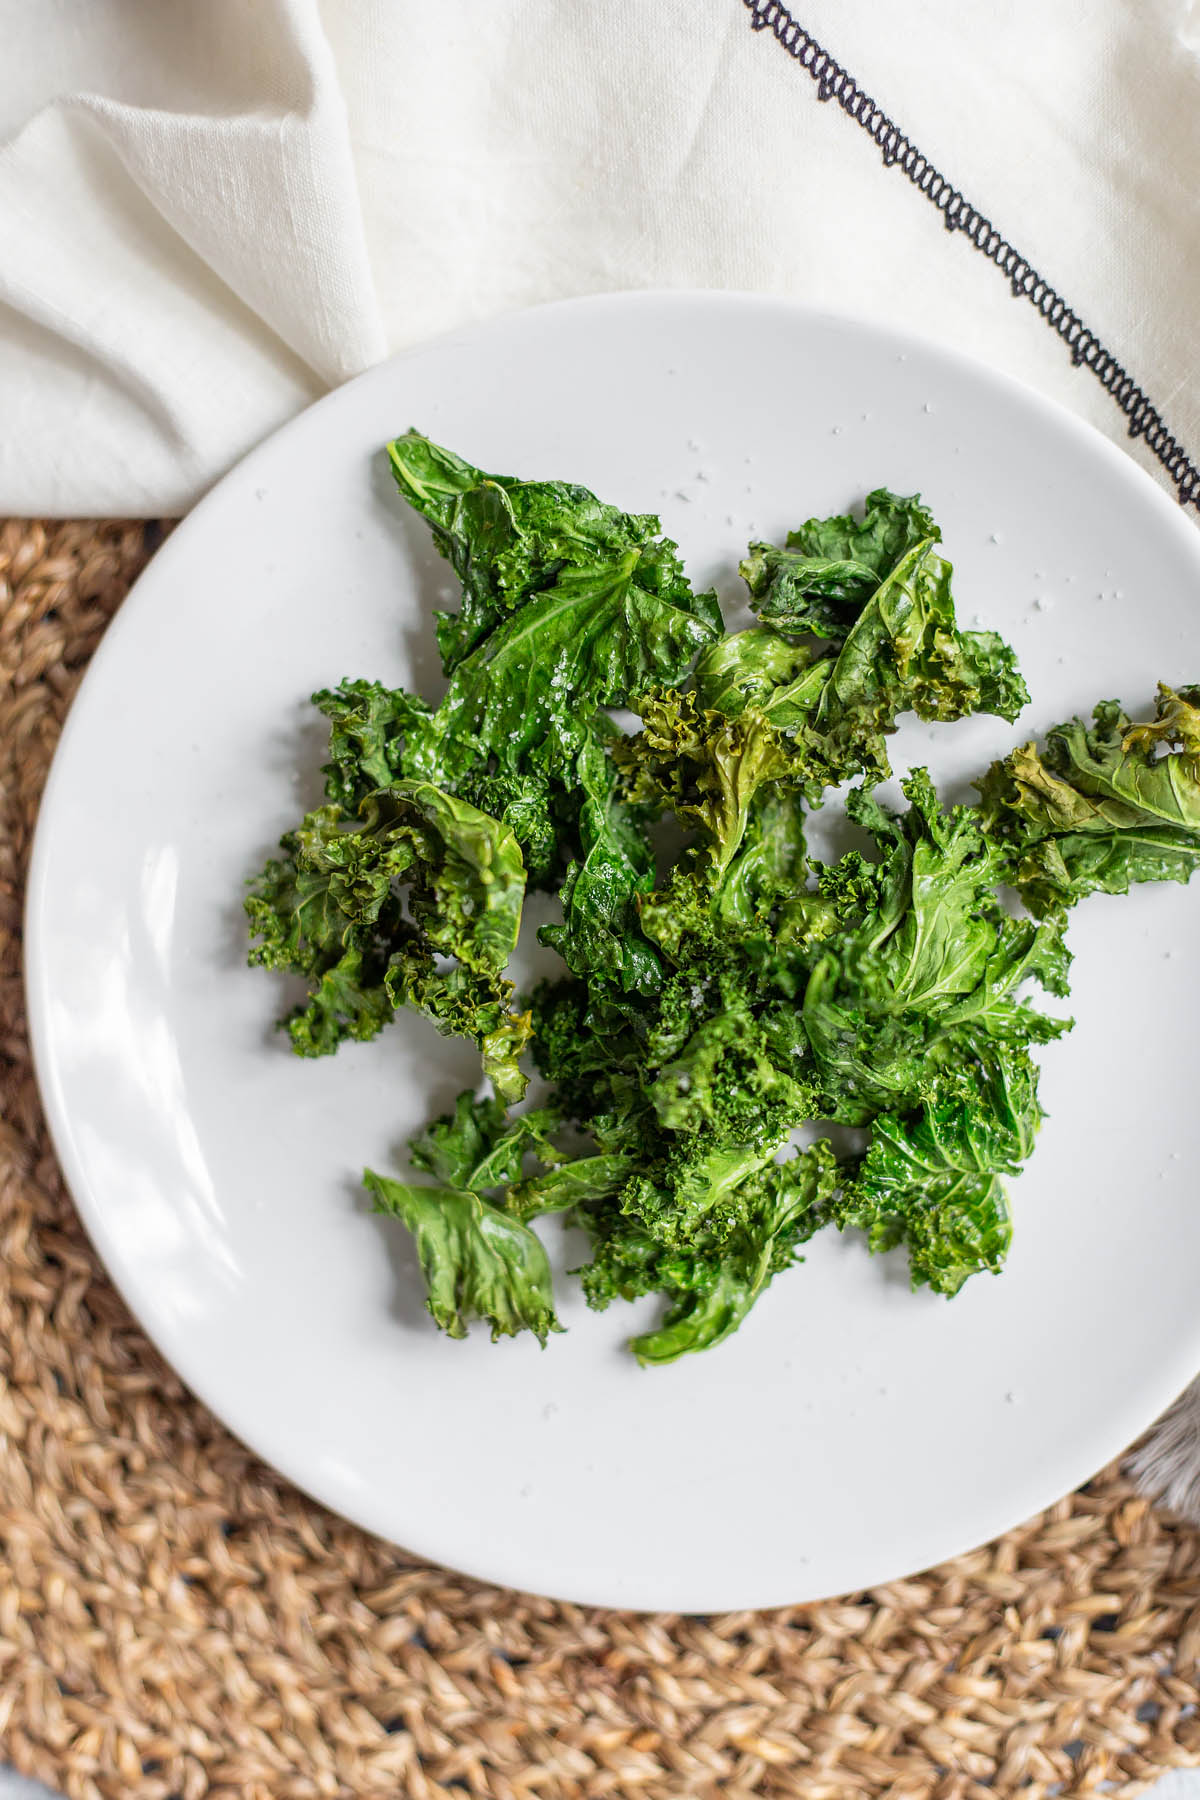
x: 579, y: 1182
x: 1103, y: 806
x: 735, y: 781
x: 704, y: 765
x: 479, y: 1259
x: 481, y: 1146
x: 478, y: 1262
x: 761, y: 668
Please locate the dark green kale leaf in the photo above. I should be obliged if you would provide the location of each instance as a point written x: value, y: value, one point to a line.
x: 527, y: 695
x: 934, y: 929
x: 922, y: 952
x: 905, y: 652
x: 538, y: 809
x: 600, y: 936
x: 787, y: 1205
x: 839, y: 898
x: 724, y: 1107
x: 507, y: 539
x: 690, y: 1111
x: 481, y: 1146
x: 831, y: 567
x: 569, y: 605
x: 931, y: 1179
x: 1102, y: 806
x: 589, y: 1047
x: 901, y: 651
x: 368, y: 726
x: 332, y: 910
x: 712, y: 1280
x: 880, y: 591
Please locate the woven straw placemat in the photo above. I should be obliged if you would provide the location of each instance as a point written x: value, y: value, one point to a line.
x: 175, y: 1620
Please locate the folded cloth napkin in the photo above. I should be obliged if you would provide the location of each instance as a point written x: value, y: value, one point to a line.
x: 211, y: 214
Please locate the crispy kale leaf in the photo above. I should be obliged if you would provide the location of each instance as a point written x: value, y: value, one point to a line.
x: 332, y: 910
x: 830, y: 567
x: 528, y: 692
x: 785, y: 1206
x: 897, y: 648
x: 691, y: 1109
x: 481, y: 1146
x: 880, y: 592
x: 569, y: 606
x: 1102, y: 806
x: 601, y: 936
x: 717, y: 775
x: 509, y: 540
x: 931, y: 1179
x: 368, y: 726
x: 479, y: 1260
x: 908, y: 974
x: 924, y: 959
x: 906, y: 648
x: 760, y: 667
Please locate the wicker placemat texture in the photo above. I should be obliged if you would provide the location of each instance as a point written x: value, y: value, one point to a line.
x: 176, y: 1620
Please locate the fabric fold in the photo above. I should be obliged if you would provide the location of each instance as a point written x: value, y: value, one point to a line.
x: 207, y: 266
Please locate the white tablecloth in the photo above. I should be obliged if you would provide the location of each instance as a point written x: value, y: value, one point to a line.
x: 211, y: 213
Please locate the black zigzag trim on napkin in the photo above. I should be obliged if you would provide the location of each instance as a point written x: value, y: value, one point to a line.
x: 958, y: 214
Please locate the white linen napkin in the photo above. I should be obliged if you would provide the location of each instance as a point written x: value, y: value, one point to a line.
x: 209, y: 214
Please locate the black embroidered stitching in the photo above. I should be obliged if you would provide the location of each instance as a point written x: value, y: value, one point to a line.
x: 958, y: 214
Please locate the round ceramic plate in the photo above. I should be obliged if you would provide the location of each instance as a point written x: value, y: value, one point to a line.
x: 851, y: 1431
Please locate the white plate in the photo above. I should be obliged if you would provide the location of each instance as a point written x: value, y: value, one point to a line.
x: 851, y: 1431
